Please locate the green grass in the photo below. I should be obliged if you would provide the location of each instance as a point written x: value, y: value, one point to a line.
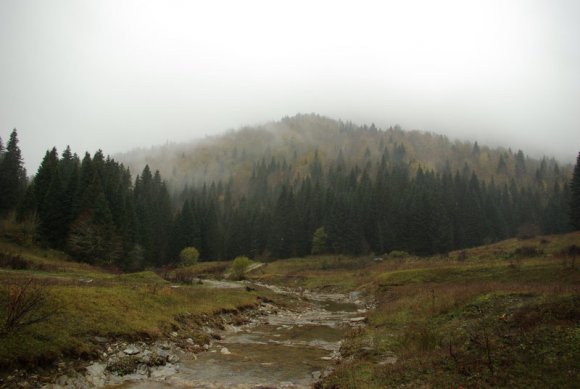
x: 482, y: 323
x: 89, y: 302
x: 491, y: 319
x: 331, y: 273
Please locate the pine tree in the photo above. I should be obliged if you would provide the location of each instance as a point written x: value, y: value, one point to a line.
x: 319, y: 241
x: 12, y: 176
x: 520, y: 164
x: 575, y: 196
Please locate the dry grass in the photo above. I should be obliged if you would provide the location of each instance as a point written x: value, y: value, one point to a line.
x: 484, y: 322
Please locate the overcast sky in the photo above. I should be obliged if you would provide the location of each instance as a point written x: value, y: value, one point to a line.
x: 116, y: 74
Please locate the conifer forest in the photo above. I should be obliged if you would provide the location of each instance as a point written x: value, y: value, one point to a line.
x: 347, y: 189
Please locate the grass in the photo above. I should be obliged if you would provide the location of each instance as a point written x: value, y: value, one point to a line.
x: 478, y: 318
x: 89, y: 302
x: 331, y: 273
x: 480, y: 323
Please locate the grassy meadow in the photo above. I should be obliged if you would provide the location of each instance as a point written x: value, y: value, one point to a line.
x: 79, y: 302
x: 501, y: 315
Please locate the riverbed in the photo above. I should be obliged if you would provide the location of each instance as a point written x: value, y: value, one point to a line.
x: 281, y: 349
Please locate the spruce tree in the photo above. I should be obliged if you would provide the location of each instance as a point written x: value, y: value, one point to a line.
x: 575, y: 196
x: 12, y: 176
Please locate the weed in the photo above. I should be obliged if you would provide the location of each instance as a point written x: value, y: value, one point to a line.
x: 27, y: 304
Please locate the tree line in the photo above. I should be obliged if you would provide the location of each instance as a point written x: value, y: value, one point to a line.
x: 93, y: 209
x: 351, y: 211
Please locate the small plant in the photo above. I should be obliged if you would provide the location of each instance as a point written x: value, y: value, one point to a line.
x: 568, y: 256
x: 239, y: 267
x: 527, y: 252
x: 13, y: 261
x: 185, y: 276
x: 27, y: 304
x: 398, y: 254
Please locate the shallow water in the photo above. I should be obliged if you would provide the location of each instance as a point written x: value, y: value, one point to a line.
x: 283, y: 350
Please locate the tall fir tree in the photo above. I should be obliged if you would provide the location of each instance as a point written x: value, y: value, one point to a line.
x: 12, y: 176
x: 575, y: 196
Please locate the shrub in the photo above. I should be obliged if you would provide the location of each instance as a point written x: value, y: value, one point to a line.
x: 398, y: 254
x: 239, y: 267
x: 13, y: 261
x: 188, y: 256
x: 527, y: 252
x: 185, y: 276
x: 27, y: 304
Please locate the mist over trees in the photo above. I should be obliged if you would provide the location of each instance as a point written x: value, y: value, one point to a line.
x: 305, y: 185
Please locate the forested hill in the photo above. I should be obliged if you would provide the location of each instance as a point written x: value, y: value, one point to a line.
x: 301, y: 142
x: 304, y: 185
x: 309, y: 184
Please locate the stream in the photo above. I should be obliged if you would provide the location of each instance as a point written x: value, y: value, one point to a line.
x: 285, y: 349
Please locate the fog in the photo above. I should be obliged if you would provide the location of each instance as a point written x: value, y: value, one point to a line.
x: 117, y: 74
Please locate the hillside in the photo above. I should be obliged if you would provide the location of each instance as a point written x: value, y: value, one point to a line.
x: 273, y: 190
x: 294, y: 141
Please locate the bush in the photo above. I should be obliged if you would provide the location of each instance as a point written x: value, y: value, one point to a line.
x: 27, y: 304
x: 188, y: 256
x: 239, y: 267
x: 184, y: 276
x: 398, y: 254
x: 527, y: 252
x: 13, y: 261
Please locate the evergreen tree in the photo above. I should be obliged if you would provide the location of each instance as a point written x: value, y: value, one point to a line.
x: 319, y: 241
x: 575, y: 196
x: 520, y: 164
x: 12, y: 176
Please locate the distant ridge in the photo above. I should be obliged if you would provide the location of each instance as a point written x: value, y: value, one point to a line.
x: 295, y: 140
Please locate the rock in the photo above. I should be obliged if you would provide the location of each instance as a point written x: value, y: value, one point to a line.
x: 225, y: 351
x: 166, y: 345
x: 162, y: 354
x: 95, y: 374
x: 172, y: 358
x: 132, y: 350
x: 190, y: 341
x: 388, y: 361
x: 100, y: 339
x: 96, y: 369
x: 62, y: 380
x: 161, y: 373
x: 142, y: 369
x: 360, y: 319
x: 174, y: 334
x: 316, y: 375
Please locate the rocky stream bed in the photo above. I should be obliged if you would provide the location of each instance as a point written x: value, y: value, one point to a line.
x: 267, y: 347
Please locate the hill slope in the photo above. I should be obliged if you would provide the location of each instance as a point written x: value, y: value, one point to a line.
x: 295, y: 141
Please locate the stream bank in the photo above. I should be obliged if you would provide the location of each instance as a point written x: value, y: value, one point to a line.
x: 266, y: 347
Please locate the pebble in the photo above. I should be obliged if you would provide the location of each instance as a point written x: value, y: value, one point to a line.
x: 132, y: 350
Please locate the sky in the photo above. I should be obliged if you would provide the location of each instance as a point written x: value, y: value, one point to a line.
x: 120, y: 74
